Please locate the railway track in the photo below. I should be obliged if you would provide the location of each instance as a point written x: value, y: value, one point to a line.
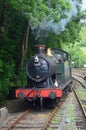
x: 62, y: 117
x: 33, y: 120
x: 80, y: 93
x: 23, y: 121
x: 80, y: 101
x: 79, y: 73
x: 69, y: 117
x: 80, y: 80
x: 69, y: 114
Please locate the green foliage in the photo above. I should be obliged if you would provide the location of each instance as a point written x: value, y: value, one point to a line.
x: 77, y: 50
x: 83, y: 49
x: 53, y: 41
x: 10, y: 51
x: 69, y: 35
x: 83, y: 37
x: 83, y: 44
x: 35, y: 11
x: 77, y: 55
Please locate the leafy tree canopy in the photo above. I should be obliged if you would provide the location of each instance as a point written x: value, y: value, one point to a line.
x: 36, y: 10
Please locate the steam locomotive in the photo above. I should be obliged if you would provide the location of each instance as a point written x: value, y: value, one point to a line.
x: 49, y: 75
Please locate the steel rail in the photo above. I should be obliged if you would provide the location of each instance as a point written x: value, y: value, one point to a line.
x: 16, y: 122
x: 84, y: 86
x: 81, y: 105
x: 46, y: 124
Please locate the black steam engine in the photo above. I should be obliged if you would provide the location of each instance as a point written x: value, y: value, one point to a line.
x: 49, y: 75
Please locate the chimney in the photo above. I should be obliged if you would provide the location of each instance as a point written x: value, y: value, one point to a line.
x: 40, y: 49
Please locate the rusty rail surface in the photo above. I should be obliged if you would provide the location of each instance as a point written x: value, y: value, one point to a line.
x: 81, y: 105
x: 15, y: 122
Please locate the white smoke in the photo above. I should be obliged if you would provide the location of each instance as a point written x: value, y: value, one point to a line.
x: 51, y: 26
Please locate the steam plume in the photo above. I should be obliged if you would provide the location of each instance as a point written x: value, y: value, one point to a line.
x: 51, y: 26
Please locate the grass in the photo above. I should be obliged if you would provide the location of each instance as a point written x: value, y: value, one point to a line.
x: 49, y: 128
x: 70, y: 109
x: 82, y: 94
x: 55, y: 119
